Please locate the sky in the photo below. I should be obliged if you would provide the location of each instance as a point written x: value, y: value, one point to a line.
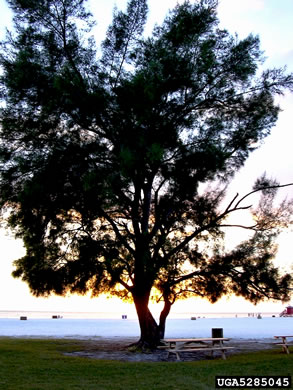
x: 272, y: 21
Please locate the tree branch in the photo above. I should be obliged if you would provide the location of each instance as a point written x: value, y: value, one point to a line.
x: 125, y: 285
x: 117, y: 232
x: 252, y: 227
x: 261, y: 189
x: 214, y: 222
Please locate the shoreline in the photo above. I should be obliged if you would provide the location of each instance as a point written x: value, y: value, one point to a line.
x: 234, y: 328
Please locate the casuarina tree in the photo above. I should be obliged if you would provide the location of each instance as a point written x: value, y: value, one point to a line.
x: 115, y: 159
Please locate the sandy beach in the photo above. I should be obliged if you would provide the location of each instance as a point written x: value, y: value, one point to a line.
x: 117, y: 348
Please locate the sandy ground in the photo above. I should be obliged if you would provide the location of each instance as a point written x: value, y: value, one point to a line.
x: 118, y: 349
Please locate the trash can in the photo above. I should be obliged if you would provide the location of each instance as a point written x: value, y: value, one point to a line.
x: 217, y: 332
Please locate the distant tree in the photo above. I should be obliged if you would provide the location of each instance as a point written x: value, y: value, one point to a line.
x: 105, y: 159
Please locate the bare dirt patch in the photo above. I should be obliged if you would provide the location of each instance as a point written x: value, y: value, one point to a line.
x: 117, y: 348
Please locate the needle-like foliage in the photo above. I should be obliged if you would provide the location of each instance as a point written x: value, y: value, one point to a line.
x: 104, y: 157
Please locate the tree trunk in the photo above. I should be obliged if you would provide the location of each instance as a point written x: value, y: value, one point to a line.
x: 163, y: 316
x: 149, y: 329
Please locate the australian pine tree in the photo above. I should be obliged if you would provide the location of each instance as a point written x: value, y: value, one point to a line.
x: 115, y: 159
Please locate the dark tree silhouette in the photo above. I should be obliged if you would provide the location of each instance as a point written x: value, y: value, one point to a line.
x: 105, y: 159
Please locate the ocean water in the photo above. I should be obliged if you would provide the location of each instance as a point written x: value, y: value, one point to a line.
x: 118, y: 315
x: 41, y: 324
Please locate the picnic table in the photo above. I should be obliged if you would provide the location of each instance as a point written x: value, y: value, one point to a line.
x: 285, y: 343
x: 177, y: 346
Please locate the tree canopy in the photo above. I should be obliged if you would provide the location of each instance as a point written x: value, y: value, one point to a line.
x: 115, y: 160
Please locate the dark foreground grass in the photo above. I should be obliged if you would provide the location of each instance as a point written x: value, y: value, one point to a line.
x: 41, y: 364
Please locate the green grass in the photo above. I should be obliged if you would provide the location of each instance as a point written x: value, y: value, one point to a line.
x: 41, y: 364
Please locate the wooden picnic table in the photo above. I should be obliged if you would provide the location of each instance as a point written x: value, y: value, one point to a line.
x: 180, y: 345
x: 285, y: 343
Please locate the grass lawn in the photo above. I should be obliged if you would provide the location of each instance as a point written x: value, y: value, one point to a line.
x: 40, y: 364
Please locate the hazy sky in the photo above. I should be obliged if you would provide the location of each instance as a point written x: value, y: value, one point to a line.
x: 272, y: 21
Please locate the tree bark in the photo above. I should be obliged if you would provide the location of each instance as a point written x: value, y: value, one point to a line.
x: 163, y: 316
x: 149, y: 329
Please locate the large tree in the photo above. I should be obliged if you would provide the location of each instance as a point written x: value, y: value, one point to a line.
x: 115, y: 160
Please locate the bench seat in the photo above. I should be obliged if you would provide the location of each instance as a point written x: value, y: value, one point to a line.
x: 195, y: 349
x: 287, y: 345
